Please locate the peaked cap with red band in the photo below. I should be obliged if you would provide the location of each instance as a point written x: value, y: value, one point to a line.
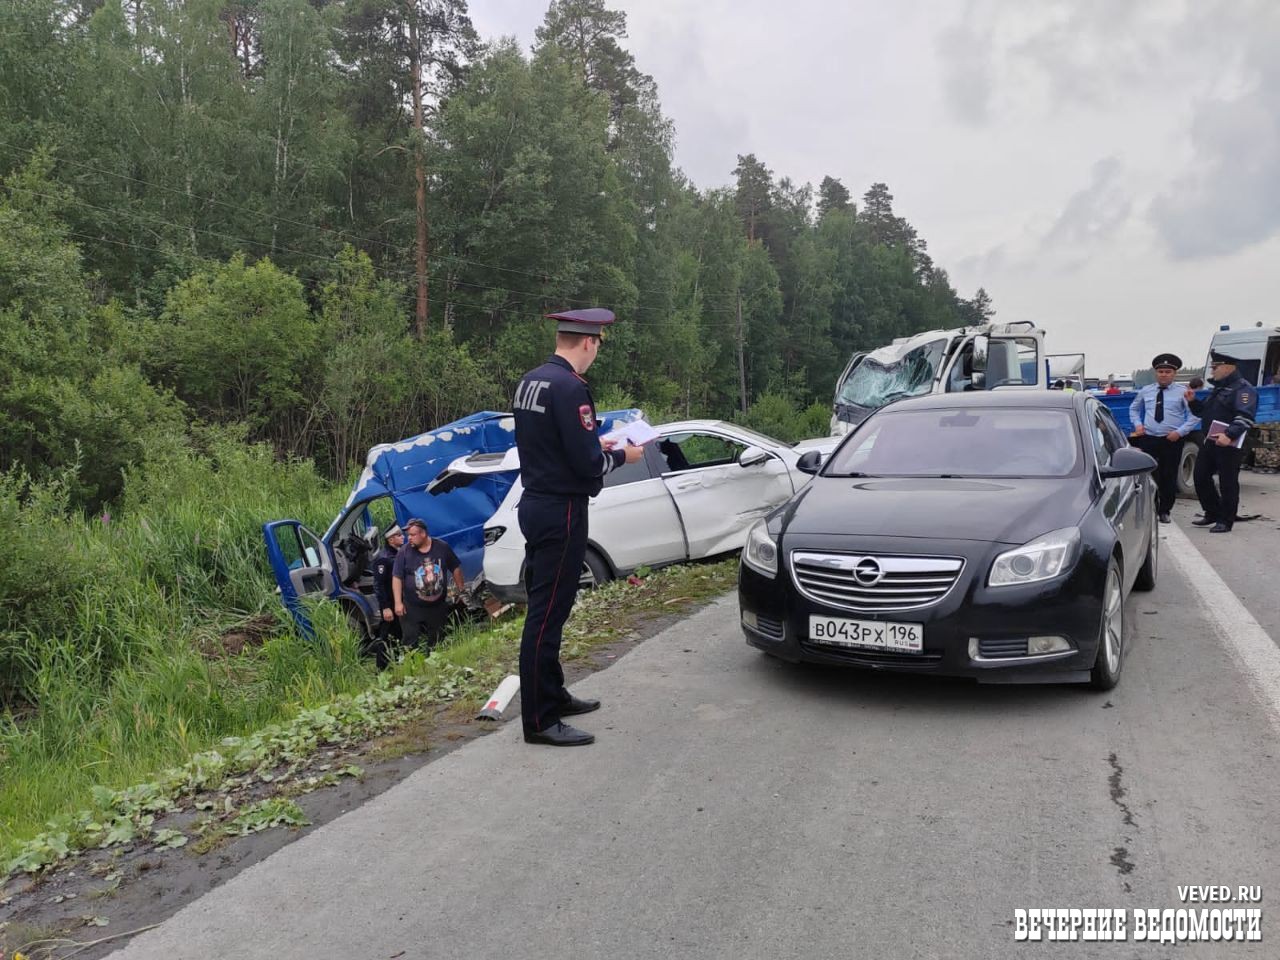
x: 591, y: 321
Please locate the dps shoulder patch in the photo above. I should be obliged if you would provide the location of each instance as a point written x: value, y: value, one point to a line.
x: 586, y: 417
x: 1244, y: 396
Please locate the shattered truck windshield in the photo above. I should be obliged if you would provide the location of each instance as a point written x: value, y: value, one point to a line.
x: 874, y: 383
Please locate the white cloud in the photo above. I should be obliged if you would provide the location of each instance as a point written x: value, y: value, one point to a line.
x: 1020, y: 137
x: 1094, y: 213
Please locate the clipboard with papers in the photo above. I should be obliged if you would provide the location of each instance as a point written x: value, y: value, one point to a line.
x: 1217, y: 427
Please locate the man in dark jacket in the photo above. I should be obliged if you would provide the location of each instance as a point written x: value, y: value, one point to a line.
x: 562, y: 463
x: 388, y: 627
x: 1232, y: 406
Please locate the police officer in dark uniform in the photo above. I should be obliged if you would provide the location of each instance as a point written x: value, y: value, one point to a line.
x: 1234, y: 401
x: 388, y: 625
x: 562, y: 463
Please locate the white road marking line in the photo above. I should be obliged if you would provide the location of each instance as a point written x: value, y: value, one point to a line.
x: 1250, y: 644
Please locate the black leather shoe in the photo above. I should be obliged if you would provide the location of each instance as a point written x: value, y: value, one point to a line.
x: 1165, y: 518
x: 577, y: 705
x: 1220, y: 528
x: 560, y: 735
x: 1203, y: 522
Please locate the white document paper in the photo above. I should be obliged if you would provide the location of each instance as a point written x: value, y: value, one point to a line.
x: 636, y: 432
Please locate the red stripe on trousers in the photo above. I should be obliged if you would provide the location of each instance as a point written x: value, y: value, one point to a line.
x: 568, y: 525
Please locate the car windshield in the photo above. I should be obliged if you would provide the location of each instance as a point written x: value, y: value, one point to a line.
x: 961, y: 442
x: 872, y: 384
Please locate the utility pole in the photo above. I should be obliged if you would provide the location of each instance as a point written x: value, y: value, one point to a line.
x: 420, y: 174
x: 742, y: 357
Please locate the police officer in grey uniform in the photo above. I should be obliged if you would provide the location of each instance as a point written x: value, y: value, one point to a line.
x: 562, y: 463
x: 1161, y: 420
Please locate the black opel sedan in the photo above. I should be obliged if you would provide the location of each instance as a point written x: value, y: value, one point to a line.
x: 991, y: 535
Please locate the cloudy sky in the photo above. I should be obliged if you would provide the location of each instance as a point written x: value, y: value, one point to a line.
x: 1107, y: 168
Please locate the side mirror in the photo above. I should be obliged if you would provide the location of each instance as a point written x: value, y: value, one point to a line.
x: 981, y: 346
x: 1128, y: 462
x: 810, y: 462
x: 752, y: 456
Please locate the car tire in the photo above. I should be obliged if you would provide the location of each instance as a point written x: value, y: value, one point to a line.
x: 1111, y: 632
x: 594, y: 571
x: 1146, y: 579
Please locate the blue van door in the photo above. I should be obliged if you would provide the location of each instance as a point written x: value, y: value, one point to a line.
x: 302, y: 566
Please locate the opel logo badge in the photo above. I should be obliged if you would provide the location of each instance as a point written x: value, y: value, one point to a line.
x: 868, y: 572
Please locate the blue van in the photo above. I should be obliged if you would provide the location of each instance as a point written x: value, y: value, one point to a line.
x: 394, y: 487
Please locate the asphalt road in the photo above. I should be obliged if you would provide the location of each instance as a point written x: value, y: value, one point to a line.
x: 735, y: 806
x: 1250, y: 556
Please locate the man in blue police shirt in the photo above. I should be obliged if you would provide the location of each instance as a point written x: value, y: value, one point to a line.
x: 562, y: 462
x: 1161, y: 421
x: 1234, y: 401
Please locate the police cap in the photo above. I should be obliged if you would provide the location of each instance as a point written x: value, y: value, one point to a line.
x: 591, y: 321
x: 1166, y: 360
x: 1217, y: 357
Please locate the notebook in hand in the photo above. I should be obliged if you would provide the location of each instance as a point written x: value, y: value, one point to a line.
x: 1217, y: 427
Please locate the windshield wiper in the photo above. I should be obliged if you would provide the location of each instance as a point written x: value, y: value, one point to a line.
x: 895, y: 394
x: 853, y: 475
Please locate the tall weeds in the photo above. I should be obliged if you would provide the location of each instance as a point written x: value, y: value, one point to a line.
x: 112, y: 661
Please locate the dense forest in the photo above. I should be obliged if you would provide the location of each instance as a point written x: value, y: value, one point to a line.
x: 241, y: 241
x: 334, y: 223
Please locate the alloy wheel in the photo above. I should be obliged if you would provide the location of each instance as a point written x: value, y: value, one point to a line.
x: 1113, y: 631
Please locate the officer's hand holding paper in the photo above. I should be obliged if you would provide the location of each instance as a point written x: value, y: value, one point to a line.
x: 635, y: 432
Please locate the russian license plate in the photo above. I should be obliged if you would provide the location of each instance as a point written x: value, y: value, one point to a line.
x: 871, y: 634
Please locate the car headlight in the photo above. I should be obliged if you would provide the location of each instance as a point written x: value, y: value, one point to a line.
x: 493, y: 534
x: 1042, y: 559
x: 760, y: 552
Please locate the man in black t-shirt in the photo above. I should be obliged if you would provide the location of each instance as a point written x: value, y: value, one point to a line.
x: 420, y: 584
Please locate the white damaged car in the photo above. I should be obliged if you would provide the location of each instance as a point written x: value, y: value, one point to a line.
x: 696, y: 492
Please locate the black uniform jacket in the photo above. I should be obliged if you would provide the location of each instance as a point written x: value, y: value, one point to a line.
x: 1234, y: 402
x: 382, y: 564
x: 560, y: 453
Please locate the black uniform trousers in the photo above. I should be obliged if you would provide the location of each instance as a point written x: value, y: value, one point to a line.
x: 555, y: 534
x: 385, y: 640
x: 1168, y: 457
x: 1225, y: 462
x: 425, y: 622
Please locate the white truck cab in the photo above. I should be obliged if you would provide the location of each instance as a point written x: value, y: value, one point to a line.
x: 1257, y: 348
x: 987, y: 357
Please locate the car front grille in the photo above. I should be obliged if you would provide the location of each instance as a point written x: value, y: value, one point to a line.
x: 874, y: 584
x: 858, y: 655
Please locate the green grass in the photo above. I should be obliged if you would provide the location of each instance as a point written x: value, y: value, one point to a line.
x: 126, y: 706
x: 102, y: 620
